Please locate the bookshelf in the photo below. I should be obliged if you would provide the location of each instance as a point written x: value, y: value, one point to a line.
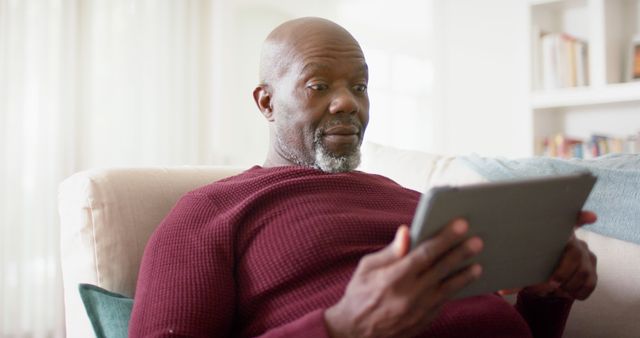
x: 581, y: 76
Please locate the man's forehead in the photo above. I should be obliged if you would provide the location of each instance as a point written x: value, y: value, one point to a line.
x: 315, y: 66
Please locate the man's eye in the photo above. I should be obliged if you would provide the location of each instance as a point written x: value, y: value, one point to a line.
x: 360, y: 88
x: 318, y: 86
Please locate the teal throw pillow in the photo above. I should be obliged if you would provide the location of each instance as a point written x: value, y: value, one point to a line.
x: 109, y: 312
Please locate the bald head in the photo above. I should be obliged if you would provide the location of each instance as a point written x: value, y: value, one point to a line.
x: 285, y: 42
x: 313, y: 92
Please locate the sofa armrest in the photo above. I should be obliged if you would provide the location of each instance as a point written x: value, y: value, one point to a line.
x: 106, y: 218
x: 612, y: 310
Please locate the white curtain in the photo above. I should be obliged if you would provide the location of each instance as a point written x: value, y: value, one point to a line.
x: 87, y: 83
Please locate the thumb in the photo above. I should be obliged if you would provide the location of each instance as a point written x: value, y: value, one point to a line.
x: 402, y: 241
x: 391, y: 253
x: 586, y: 217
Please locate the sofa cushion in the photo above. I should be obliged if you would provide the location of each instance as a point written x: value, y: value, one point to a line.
x: 414, y: 169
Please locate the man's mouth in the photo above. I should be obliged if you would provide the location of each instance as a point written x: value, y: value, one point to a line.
x: 342, y: 129
x: 343, y: 133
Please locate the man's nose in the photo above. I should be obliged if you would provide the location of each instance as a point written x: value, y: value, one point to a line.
x: 344, y: 101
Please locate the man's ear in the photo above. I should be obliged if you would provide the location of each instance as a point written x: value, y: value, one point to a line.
x: 262, y: 97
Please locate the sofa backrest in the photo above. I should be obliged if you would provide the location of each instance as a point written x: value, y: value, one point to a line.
x: 108, y: 215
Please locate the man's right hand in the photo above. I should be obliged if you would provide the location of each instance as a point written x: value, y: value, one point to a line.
x: 394, y: 292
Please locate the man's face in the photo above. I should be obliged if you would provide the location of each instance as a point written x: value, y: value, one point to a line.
x: 321, y: 105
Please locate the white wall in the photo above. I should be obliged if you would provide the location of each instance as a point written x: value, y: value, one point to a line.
x: 392, y: 36
x: 476, y: 101
x: 483, y: 77
x: 238, y: 132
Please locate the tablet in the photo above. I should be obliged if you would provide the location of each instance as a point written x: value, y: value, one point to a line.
x: 524, y: 223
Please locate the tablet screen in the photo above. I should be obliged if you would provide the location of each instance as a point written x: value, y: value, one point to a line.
x: 524, y: 224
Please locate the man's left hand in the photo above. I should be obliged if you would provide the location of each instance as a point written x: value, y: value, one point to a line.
x: 575, y: 276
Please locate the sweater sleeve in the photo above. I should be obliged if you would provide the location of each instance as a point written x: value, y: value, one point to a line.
x: 546, y: 316
x: 186, y: 286
x: 311, y: 325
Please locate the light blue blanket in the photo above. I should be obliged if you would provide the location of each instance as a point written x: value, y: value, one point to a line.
x: 615, y: 197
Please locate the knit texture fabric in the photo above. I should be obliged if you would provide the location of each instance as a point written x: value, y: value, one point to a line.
x: 267, y: 251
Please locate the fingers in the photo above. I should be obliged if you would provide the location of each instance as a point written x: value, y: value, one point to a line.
x: 576, y: 274
x: 453, y: 260
x: 567, y: 266
x: 384, y: 294
x: 444, y: 272
x: 587, y: 288
x: 456, y: 282
x: 402, y: 241
x: 427, y: 253
x: 580, y: 284
x: 391, y: 253
x: 432, y: 267
x: 586, y: 217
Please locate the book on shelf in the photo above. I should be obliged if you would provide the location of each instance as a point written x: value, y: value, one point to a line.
x: 635, y: 58
x: 560, y: 60
x: 563, y: 146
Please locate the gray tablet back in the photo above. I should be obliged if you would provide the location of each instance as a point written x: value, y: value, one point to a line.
x: 525, y: 225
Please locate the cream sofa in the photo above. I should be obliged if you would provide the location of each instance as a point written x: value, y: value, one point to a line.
x: 108, y: 215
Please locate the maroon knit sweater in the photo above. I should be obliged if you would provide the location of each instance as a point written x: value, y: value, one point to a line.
x: 267, y: 251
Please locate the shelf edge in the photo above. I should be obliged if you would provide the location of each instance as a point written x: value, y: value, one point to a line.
x: 586, y: 96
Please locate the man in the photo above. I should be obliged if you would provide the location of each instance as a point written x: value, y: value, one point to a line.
x: 300, y: 246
